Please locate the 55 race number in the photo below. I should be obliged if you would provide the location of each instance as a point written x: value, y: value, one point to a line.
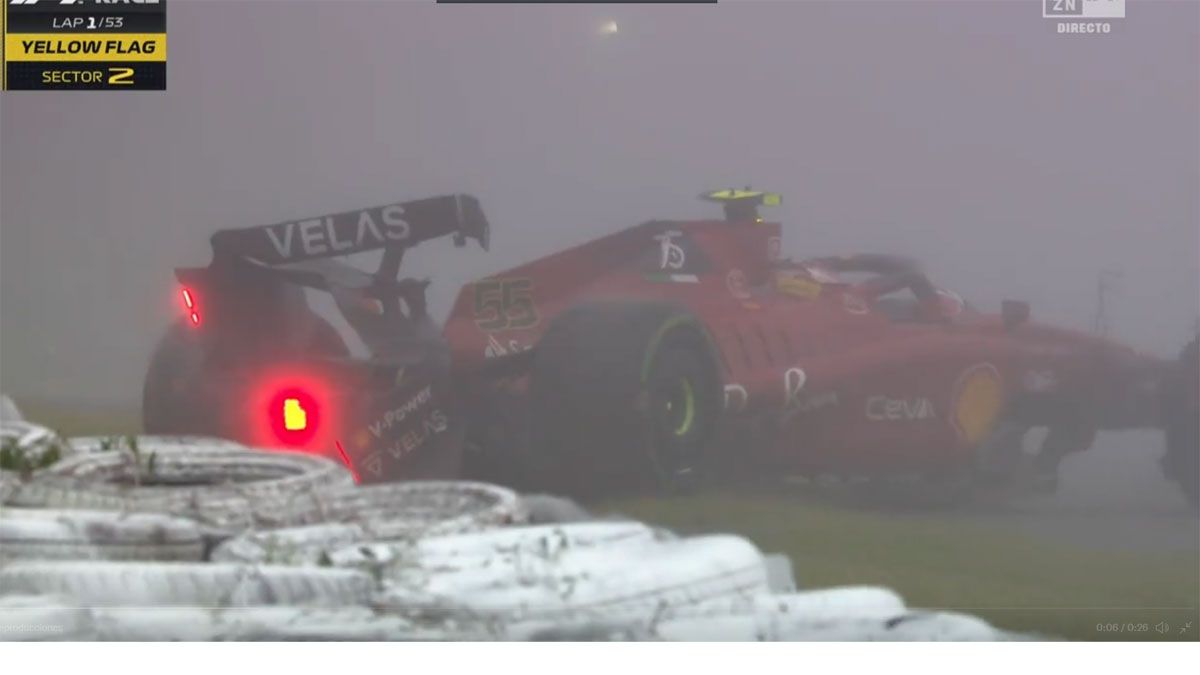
x: 504, y: 304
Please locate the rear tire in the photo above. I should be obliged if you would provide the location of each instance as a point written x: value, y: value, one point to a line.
x: 173, y: 400
x: 170, y: 393
x: 624, y: 396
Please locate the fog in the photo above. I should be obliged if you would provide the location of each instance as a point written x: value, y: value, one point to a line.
x: 1015, y: 161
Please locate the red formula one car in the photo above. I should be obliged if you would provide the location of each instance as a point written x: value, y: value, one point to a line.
x: 671, y: 354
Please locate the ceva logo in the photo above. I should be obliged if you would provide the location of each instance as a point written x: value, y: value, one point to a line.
x: 884, y: 409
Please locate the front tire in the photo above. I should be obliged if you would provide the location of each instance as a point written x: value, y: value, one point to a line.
x: 625, y: 396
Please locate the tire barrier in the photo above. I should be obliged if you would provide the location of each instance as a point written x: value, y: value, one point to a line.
x: 483, y: 549
x: 146, y: 444
x: 9, y: 483
x: 25, y: 434
x: 839, y: 614
x: 189, y: 538
x: 551, y: 509
x: 576, y: 583
x: 52, y: 617
x: 49, y: 534
x: 905, y: 625
x: 38, y: 618
x: 9, y: 412
x: 220, y: 486
x: 414, y: 509
x: 26, y: 448
x: 264, y: 624
x: 209, y: 585
x: 377, y: 513
x: 304, y: 545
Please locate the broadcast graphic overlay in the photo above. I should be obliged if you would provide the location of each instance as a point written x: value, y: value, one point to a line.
x: 85, y: 44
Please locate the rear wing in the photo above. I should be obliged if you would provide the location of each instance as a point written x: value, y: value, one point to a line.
x: 258, y: 274
x: 393, y: 227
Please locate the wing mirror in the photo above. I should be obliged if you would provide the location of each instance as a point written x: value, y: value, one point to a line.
x: 1014, y: 313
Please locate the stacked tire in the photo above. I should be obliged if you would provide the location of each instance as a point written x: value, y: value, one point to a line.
x: 161, y: 538
x: 119, y: 539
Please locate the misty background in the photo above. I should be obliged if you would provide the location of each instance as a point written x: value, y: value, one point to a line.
x: 1016, y: 162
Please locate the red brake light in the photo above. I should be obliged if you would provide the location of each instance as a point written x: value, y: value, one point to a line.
x: 189, y: 304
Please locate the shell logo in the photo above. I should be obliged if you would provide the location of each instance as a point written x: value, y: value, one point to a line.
x: 977, y: 402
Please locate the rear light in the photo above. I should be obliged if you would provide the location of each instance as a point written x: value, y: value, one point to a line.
x: 189, y: 305
x: 290, y: 407
x: 294, y: 416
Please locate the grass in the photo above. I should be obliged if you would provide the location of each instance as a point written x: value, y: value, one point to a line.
x: 943, y: 561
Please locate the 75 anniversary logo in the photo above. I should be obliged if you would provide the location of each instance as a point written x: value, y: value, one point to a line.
x: 85, y: 44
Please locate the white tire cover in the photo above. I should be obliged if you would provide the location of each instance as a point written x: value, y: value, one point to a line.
x: 943, y: 626
x: 838, y: 614
x: 414, y: 508
x: 577, y: 583
x: 850, y: 613
x: 267, y: 623
x: 26, y: 434
x: 868, y: 626
x: 148, y: 443
x: 9, y: 412
x: 32, y: 439
x: 49, y: 534
x: 348, y: 544
x: 9, y: 484
x: 741, y: 614
x: 304, y: 545
x: 780, y: 577
x: 552, y: 509
x: 465, y: 552
x: 47, y: 617
x: 831, y: 602
x: 543, y: 540
x: 220, y: 486
x: 131, y: 584
x: 388, y: 512
x: 43, y: 618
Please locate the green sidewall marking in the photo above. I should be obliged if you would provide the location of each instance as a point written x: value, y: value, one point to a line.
x: 689, y: 418
x: 652, y: 348
x: 689, y: 408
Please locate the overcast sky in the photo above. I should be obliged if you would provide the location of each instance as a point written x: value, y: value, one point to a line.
x: 1017, y: 162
